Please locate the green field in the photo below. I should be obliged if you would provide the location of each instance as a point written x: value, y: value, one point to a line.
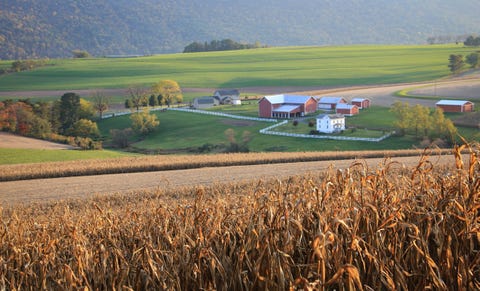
x: 285, y: 66
x: 180, y: 130
x: 19, y: 156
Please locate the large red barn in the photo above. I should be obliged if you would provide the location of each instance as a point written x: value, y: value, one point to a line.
x: 455, y: 105
x: 286, y: 106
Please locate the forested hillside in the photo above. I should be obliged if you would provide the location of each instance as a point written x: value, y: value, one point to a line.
x: 52, y: 28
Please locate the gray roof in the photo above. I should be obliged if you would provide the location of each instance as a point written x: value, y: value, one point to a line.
x: 345, y: 106
x: 330, y: 100
x: 227, y: 92
x: 291, y: 99
x: 286, y: 108
x: 205, y: 100
x: 452, y: 102
x: 359, y: 99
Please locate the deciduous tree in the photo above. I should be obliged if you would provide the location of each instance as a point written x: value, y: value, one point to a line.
x: 144, y: 122
x: 100, y: 102
x: 170, y: 91
x: 403, y: 113
x: 84, y: 128
x: 138, y: 96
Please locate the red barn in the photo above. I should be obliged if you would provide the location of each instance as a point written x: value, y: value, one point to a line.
x: 455, y: 105
x: 286, y: 106
x: 346, y: 109
x: 361, y: 102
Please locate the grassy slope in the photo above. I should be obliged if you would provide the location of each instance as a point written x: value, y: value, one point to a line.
x: 20, y: 156
x: 286, y: 66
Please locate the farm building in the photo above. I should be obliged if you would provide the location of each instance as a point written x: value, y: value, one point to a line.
x: 346, y: 109
x: 330, y: 103
x: 455, y: 105
x: 286, y: 106
x: 228, y: 96
x: 330, y: 123
x: 204, y: 102
x: 361, y: 102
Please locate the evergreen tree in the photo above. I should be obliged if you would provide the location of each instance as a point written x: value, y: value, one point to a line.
x: 456, y: 63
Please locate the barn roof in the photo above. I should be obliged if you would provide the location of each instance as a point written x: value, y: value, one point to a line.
x: 205, y: 100
x: 286, y: 108
x: 330, y: 100
x: 291, y: 99
x: 453, y: 102
x: 359, y: 99
x: 345, y: 106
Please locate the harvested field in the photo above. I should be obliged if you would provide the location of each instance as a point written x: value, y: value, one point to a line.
x: 41, y: 190
x: 8, y: 140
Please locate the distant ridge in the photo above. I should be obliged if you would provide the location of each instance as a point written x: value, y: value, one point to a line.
x: 52, y: 28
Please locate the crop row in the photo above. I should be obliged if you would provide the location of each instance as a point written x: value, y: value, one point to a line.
x: 367, y: 229
x: 180, y: 162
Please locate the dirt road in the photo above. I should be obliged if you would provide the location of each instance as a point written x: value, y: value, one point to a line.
x: 42, y: 190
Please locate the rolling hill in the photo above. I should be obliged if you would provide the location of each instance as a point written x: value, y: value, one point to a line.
x: 49, y: 28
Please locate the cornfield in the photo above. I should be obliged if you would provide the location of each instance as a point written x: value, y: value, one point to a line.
x: 178, y: 162
x: 386, y: 228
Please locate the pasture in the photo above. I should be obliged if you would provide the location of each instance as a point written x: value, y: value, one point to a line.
x: 277, y: 67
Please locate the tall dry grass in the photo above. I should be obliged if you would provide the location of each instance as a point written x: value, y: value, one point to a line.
x: 385, y: 228
x: 177, y: 162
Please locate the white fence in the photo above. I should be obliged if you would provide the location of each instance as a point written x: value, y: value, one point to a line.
x: 370, y: 139
x: 223, y: 114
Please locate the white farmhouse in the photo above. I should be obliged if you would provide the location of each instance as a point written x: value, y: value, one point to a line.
x: 330, y: 123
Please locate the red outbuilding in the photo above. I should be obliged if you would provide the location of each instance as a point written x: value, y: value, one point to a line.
x: 455, y: 105
x: 361, y: 102
x: 346, y: 109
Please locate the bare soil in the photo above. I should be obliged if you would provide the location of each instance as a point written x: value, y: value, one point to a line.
x: 8, y: 140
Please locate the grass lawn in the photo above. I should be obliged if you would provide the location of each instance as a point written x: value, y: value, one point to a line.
x: 186, y: 130
x: 20, y: 156
x: 282, y: 66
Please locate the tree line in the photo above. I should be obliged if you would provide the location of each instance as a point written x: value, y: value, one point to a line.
x: 164, y: 92
x: 69, y: 120
x: 424, y: 123
x: 472, y: 41
x: 457, y: 62
x: 219, y: 45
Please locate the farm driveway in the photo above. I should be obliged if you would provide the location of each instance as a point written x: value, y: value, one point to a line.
x: 88, y: 186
